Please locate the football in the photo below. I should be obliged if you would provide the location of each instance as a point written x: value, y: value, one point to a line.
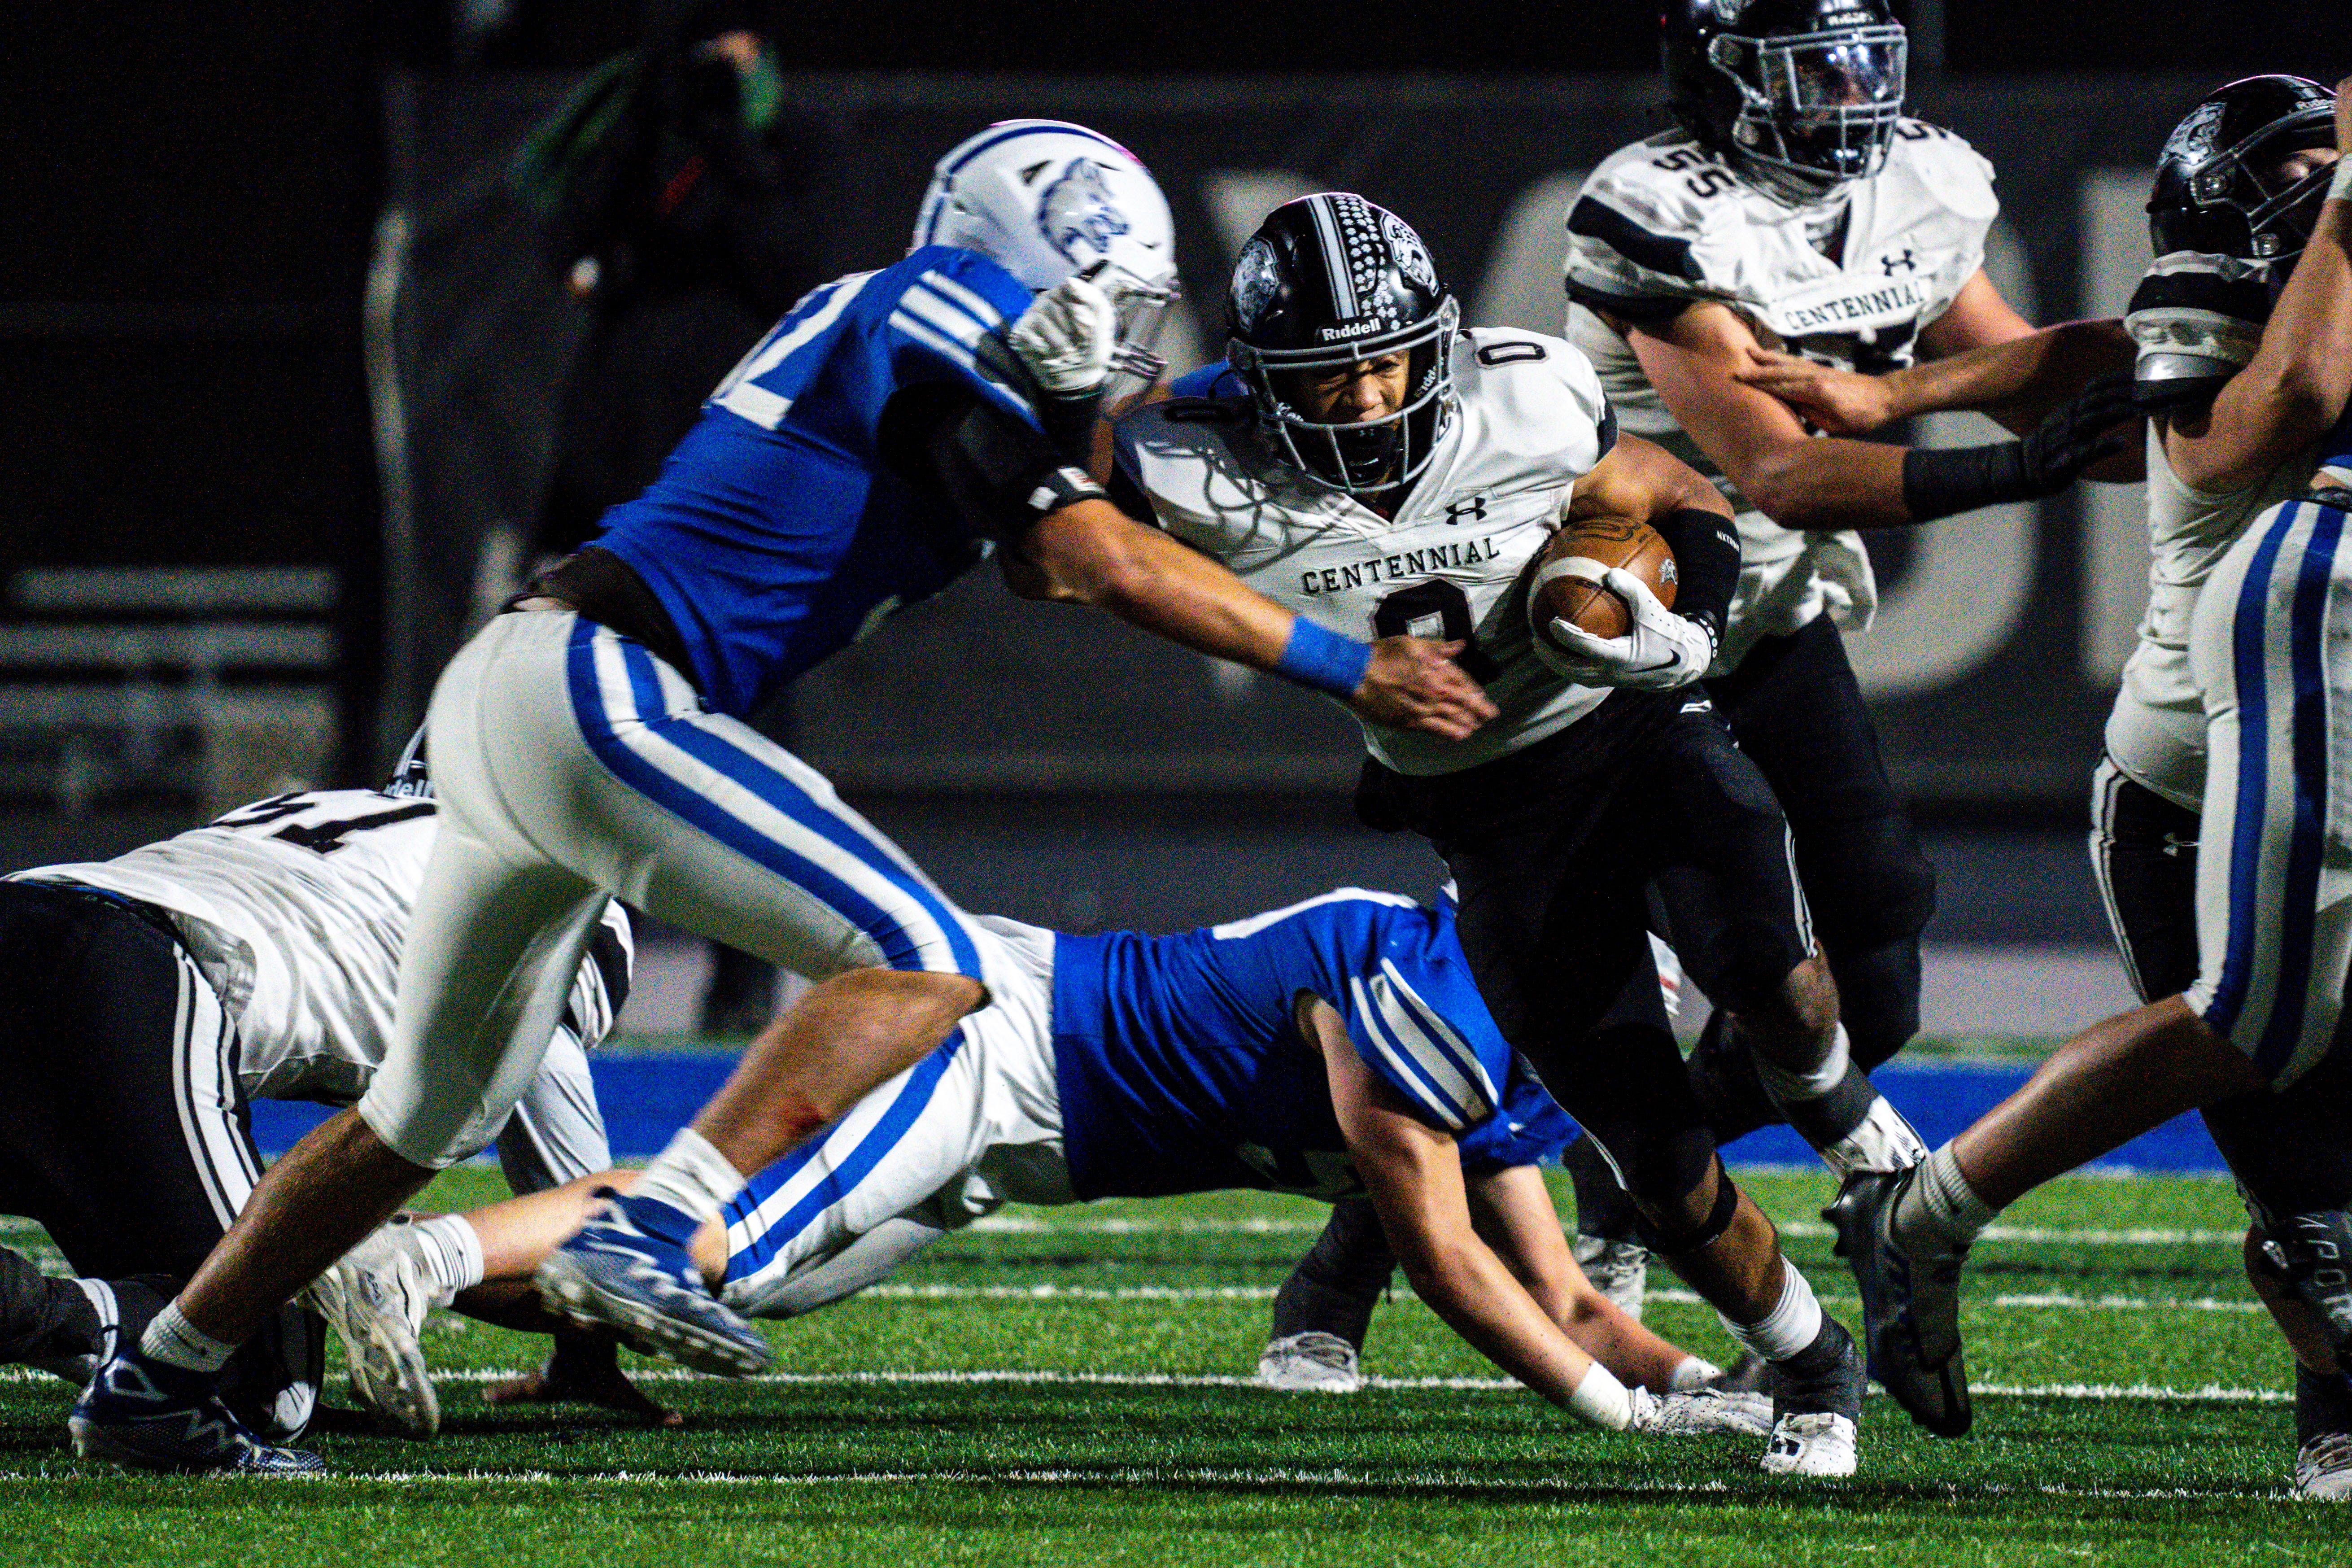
x: 1567, y: 586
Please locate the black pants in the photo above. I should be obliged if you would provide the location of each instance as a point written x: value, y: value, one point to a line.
x: 1797, y: 711
x: 123, y: 1128
x: 1553, y: 849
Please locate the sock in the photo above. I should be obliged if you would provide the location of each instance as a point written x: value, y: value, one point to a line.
x: 691, y: 1177
x: 175, y: 1341
x: 1691, y: 1374
x: 448, y: 1251
x: 1793, y: 1324
x: 1601, y: 1399
x: 1789, y: 1084
x: 1941, y: 1213
x: 2323, y: 1403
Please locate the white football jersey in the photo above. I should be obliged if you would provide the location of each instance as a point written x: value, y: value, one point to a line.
x: 1664, y: 223
x: 1452, y: 562
x: 296, y: 908
x: 2156, y: 732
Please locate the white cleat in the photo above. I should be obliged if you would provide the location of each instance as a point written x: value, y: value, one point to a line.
x: 1815, y: 1443
x: 1702, y: 1414
x: 376, y: 1298
x: 2323, y: 1470
x: 1311, y: 1363
x: 1618, y: 1267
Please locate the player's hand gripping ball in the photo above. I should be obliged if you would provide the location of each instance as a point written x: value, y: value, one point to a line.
x: 1568, y: 584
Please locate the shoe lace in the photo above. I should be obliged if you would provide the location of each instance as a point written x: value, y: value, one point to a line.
x: 1323, y: 1349
x: 2327, y: 1451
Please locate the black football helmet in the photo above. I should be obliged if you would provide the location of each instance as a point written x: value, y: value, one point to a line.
x: 1798, y: 96
x: 1328, y: 281
x: 2218, y: 189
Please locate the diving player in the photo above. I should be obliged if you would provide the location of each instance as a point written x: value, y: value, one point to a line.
x: 887, y: 433
x: 1797, y: 223
x: 1335, y: 1046
x: 1375, y: 465
x: 158, y: 994
x: 2244, y: 1020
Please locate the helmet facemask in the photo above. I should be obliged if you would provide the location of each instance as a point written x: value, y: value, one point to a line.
x: 2279, y: 215
x: 1817, y: 109
x: 1358, y: 457
x: 1141, y: 306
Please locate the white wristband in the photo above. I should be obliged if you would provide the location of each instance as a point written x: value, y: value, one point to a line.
x: 2339, y: 189
x: 1601, y: 1399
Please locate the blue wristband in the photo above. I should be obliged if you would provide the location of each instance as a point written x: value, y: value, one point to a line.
x: 1320, y: 658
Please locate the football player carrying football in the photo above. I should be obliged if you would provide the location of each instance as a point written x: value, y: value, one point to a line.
x: 2221, y: 801
x: 1369, y: 462
x: 894, y: 428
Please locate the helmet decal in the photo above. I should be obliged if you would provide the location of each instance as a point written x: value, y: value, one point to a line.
x: 1078, y: 209
x: 2191, y: 141
x: 1256, y: 279
x: 1412, y: 256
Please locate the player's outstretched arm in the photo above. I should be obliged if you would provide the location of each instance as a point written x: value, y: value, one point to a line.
x: 1090, y: 553
x: 1413, y: 1173
x: 1513, y: 1210
x: 1697, y: 363
x: 2297, y: 385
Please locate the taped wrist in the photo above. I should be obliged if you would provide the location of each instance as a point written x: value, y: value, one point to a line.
x: 1707, y: 565
x: 1003, y: 473
x: 1946, y: 482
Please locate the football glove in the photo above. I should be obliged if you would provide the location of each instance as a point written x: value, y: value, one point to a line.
x: 1660, y: 651
x: 1067, y: 338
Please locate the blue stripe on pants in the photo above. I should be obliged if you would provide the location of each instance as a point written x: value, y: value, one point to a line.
x: 911, y: 1101
x: 2253, y: 776
x: 901, y: 949
x: 2283, y: 1031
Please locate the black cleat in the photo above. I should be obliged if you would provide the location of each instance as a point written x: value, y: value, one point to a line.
x: 1910, y: 1305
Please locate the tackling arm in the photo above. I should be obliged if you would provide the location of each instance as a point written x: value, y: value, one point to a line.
x: 1413, y: 1173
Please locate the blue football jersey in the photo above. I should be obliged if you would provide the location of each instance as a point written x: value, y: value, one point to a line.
x: 1215, y: 379
x: 1530, y: 1129
x: 1180, y: 1069
x: 775, y: 534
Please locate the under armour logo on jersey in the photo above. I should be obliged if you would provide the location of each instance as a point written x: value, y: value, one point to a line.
x: 1470, y: 510
x: 1905, y: 261
x: 1077, y: 209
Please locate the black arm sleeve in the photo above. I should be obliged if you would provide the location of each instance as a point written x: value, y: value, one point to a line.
x: 1000, y: 472
x: 1707, y: 565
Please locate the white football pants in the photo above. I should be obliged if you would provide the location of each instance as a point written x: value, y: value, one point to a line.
x: 974, y: 1125
x: 571, y: 763
x: 2273, y: 654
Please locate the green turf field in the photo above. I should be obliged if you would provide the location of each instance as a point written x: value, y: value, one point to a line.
x: 1070, y: 1386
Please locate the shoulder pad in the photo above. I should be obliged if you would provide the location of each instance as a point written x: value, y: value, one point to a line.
x: 1950, y: 172
x: 1633, y: 226
x: 1007, y: 296
x: 1543, y: 391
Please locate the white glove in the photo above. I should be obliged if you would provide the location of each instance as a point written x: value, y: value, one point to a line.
x: 1661, y: 651
x: 1700, y: 1414
x: 1067, y: 338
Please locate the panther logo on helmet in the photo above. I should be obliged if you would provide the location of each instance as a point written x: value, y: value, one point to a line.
x: 2191, y: 141
x: 1412, y: 256
x: 1257, y: 278
x: 1077, y: 209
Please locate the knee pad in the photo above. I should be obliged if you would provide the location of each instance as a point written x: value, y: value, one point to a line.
x: 1670, y: 1239
x: 2313, y: 1253
x: 1723, y: 1077
x: 1878, y: 999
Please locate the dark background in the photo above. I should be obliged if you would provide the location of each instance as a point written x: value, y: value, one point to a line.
x: 191, y: 195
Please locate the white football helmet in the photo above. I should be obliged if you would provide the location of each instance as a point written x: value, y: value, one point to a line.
x: 1046, y: 199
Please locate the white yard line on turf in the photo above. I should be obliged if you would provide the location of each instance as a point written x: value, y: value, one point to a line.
x: 2137, y: 1236
x: 1054, y: 1292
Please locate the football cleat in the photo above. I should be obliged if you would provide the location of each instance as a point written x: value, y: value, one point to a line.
x: 1700, y: 1414
x: 2323, y: 1470
x: 143, y: 1414
x: 1910, y: 1303
x: 1310, y: 1362
x: 1619, y: 1267
x: 375, y: 1297
x: 621, y: 1273
x: 1817, y: 1407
